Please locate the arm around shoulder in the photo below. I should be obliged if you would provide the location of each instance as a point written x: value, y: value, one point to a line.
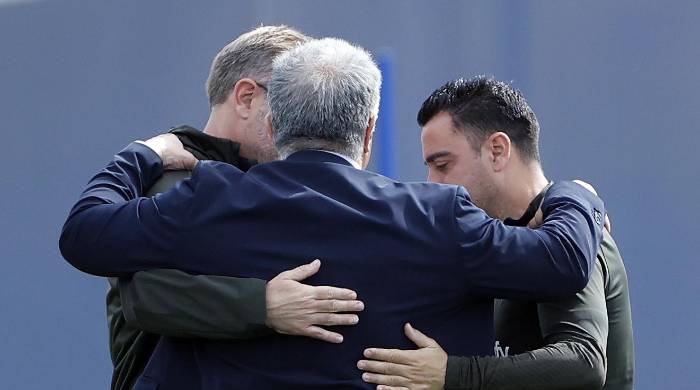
x: 113, y: 231
x: 536, y: 264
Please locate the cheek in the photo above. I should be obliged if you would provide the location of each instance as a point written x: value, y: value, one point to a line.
x: 262, y: 112
x: 461, y: 175
x: 482, y: 189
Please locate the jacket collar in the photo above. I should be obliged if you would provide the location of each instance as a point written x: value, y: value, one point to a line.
x: 206, y: 147
x: 318, y: 156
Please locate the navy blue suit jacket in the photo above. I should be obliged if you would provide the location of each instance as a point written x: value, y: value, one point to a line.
x: 417, y: 252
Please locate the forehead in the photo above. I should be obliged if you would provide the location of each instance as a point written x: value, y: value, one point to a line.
x: 439, y: 124
x: 440, y: 134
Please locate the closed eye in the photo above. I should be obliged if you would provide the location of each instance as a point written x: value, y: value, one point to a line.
x: 441, y: 167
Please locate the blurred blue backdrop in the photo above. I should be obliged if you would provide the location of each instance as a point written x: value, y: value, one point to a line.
x: 614, y: 84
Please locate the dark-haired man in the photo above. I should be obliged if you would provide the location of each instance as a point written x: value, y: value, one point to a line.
x: 482, y: 134
x: 143, y: 307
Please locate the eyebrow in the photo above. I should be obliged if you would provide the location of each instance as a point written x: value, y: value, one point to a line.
x: 435, y: 156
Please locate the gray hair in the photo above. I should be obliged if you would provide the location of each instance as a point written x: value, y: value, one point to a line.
x: 322, y: 95
x: 249, y: 55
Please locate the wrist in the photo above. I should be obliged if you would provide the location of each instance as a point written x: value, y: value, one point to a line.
x: 262, y: 302
x: 268, y: 317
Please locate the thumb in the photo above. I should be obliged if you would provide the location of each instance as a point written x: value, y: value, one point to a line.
x: 303, y: 271
x: 189, y: 160
x: 536, y: 221
x: 421, y: 340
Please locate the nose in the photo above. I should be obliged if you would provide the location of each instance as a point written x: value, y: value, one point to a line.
x: 434, y: 177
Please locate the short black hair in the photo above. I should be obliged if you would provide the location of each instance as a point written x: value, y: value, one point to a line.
x: 481, y: 106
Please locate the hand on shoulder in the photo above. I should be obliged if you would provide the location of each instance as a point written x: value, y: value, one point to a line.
x: 171, y: 151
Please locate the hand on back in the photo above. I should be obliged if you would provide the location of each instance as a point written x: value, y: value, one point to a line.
x: 298, y: 309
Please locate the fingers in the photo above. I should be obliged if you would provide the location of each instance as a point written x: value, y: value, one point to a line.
x: 178, y: 160
x: 188, y: 160
x: 536, y: 221
x: 171, y: 152
x: 327, y: 292
x: 385, y: 368
x: 338, y: 306
x: 383, y: 387
x: 330, y: 319
x: 586, y: 186
x: 302, y: 272
x: 320, y: 292
x: 388, y: 380
x: 321, y: 334
x: 388, y: 355
x: 421, y: 340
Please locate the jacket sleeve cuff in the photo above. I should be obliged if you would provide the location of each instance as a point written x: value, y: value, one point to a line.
x: 146, y: 160
x: 258, y: 301
x: 457, y: 372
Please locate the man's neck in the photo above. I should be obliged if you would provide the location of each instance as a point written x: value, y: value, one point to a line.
x: 524, y: 185
x: 219, y: 126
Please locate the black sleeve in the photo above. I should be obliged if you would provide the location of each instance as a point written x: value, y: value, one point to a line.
x: 175, y: 303
x: 575, y: 332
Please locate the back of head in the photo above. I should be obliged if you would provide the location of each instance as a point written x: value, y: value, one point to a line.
x: 481, y: 106
x: 250, y: 55
x: 322, y: 95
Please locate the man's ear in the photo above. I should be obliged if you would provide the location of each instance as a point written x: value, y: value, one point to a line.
x: 369, y: 134
x: 498, y: 150
x: 241, y: 97
x: 268, y: 127
x: 367, y: 147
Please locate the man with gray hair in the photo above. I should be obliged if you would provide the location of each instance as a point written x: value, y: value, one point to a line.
x: 447, y: 253
x: 341, y: 116
x: 167, y: 302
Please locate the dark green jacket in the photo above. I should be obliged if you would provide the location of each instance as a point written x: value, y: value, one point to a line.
x: 173, y: 303
x: 560, y: 345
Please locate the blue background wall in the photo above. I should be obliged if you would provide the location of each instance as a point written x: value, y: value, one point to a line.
x: 614, y: 85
